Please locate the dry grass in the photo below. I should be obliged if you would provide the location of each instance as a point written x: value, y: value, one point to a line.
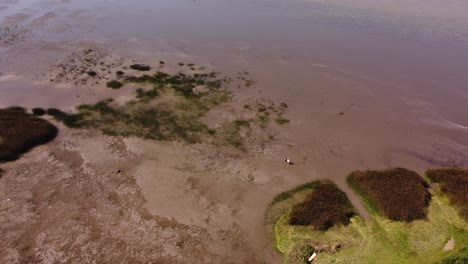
x: 454, y: 183
x: 21, y: 131
x: 399, y: 194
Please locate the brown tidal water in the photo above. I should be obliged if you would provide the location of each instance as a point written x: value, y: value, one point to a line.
x: 396, y: 70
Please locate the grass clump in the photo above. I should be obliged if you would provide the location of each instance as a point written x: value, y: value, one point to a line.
x: 454, y: 183
x: 140, y: 67
x: 21, y: 131
x: 323, y: 208
x: 114, y: 84
x: 38, y: 111
x: 398, y: 194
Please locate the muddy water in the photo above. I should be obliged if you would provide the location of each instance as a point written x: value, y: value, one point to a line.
x: 370, y: 84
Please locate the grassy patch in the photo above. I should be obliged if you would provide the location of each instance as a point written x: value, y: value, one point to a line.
x: 171, y: 110
x: 398, y: 194
x: 114, y: 84
x: 376, y: 241
x: 21, y: 131
x: 454, y: 183
x: 171, y: 107
x: 323, y: 208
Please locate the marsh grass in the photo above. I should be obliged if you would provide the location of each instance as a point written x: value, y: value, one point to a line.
x: 376, y: 241
x: 177, y: 118
x: 454, y: 183
x: 21, y: 132
x: 169, y: 107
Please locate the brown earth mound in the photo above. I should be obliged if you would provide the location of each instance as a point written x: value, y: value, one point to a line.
x: 323, y: 208
x: 453, y: 182
x: 20, y: 131
x: 399, y: 194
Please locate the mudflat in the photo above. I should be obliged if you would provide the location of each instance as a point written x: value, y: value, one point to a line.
x: 361, y: 93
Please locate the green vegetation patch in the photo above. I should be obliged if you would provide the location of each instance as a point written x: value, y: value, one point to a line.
x: 398, y: 194
x: 378, y: 240
x: 171, y: 107
x: 21, y: 131
x: 323, y: 208
x: 454, y: 183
